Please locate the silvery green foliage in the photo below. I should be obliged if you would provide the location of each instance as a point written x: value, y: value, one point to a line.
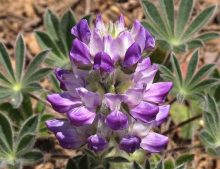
x: 195, y: 83
x: 91, y: 160
x: 25, y: 111
x: 16, y: 147
x: 180, y: 163
x: 57, y: 37
x: 210, y: 135
x: 15, y: 83
x: 178, y: 34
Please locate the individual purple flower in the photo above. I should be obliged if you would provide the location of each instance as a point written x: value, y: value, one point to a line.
x: 68, y: 136
x: 154, y: 142
x: 109, y: 45
x: 96, y: 142
x: 117, y: 120
x: 130, y: 143
x: 145, y: 112
x: 81, y: 109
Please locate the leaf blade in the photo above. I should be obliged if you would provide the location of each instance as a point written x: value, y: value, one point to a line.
x: 20, y: 56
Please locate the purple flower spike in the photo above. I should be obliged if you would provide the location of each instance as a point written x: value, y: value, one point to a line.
x: 130, y: 144
x: 96, y: 143
x: 163, y: 114
x: 158, y: 92
x: 63, y: 102
x: 103, y: 62
x: 82, y: 31
x: 101, y: 96
x: 81, y: 116
x: 145, y: 112
x: 132, y: 56
x: 154, y: 142
x: 117, y: 120
x: 79, y: 53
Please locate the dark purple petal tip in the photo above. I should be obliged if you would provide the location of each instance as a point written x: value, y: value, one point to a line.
x: 117, y: 120
x: 103, y: 62
x: 132, y: 55
x: 130, y: 144
x: 96, y: 143
x: 79, y: 53
x: 82, y: 31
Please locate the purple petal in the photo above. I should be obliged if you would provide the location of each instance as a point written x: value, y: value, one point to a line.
x: 150, y: 42
x: 82, y: 31
x: 139, y: 34
x: 113, y: 101
x: 67, y: 134
x: 154, y: 142
x: 69, y: 80
x: 143, y: 65
x: 55, y: 125
x: 158, y: 92
x: 134, y: 97
x: 99, y: 24
x: 140, y: 129
x: 81, y: 116
x: 103, y: 62
x: 120, y: 24
x: 132, y: 55
x: 130, y: 143
x: 117, y: 120
x: 163, y: 114
x: 121, y: 44
x: 145, y: 77
x: 145, y: 112
x: 70, y: 139
x: 96, y: 143
x: 142, y: 36
x: 79, y: 53
x: 96, y: 43
x: 63, y: 102
x: 90, y: 99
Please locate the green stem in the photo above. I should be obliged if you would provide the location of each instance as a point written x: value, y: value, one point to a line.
x: 182, y: 123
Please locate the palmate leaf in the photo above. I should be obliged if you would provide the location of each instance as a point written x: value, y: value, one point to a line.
x: 180, y: 33
x: 168, y: 8
x: 57, y: 37
x: 6, y: 133
x: 5, y: 61
x: 199, y: 21
x: 32, y: 157
x: 18, y: 82
x: 29, y: 126
x: 16, y: 145
x: 210, y: 135
x: 194, y: 83
x: 185, y: 11
x: 20, y: 56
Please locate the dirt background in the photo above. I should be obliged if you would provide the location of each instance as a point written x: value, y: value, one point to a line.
x: 25, y: 16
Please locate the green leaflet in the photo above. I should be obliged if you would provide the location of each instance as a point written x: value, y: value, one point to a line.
x: 180, y: 33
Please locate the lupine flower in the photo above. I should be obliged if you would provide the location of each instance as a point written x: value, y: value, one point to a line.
x: 110, y: 91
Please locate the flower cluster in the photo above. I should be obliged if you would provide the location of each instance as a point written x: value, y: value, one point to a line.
x: 109, y: 93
